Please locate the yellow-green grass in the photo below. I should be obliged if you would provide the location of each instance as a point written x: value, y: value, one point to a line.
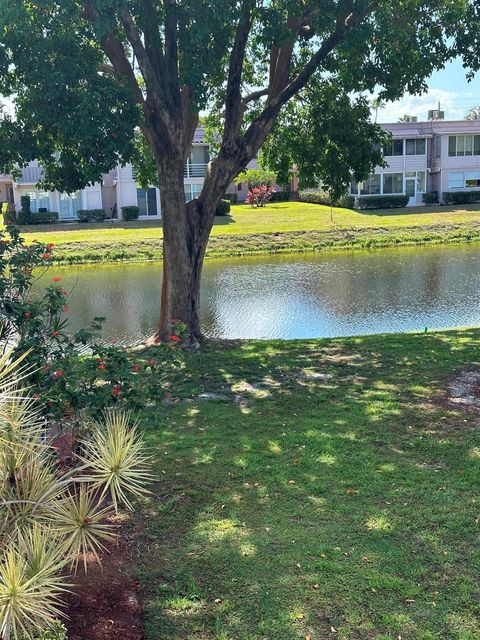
x: 293, y: 226
x: 330, y: 492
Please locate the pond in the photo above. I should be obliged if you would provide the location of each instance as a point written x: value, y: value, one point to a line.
x: 293, y: 296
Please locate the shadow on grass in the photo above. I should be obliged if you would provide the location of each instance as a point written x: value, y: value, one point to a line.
x: 333, y: 506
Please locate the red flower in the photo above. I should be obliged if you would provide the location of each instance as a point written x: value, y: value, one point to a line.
x: 174, y: 338
x: 55, y: 333
x: 27, y: 314
x: 116, y: 390
x: 50, y: 245
x: 56, y: 279
x: 58, y: 373
x: 136, y: 368
x: 101, y: 366
x: 150, y: 361
x: 46, y: 256
x: 66, y: 308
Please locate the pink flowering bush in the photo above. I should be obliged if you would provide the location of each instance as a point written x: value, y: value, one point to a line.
x: 260, y: 196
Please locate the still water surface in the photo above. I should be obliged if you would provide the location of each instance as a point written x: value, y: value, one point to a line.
x: 299, y: 296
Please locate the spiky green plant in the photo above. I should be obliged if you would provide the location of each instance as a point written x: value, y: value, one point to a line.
x: 116, y: 459
x: 48, y: 519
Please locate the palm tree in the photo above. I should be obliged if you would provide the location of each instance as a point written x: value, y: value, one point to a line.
x: 377, y: 103
x: 404, y: 118
x: 473, y: 113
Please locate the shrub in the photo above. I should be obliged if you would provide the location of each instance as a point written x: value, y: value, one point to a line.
x: 44, y: 217
x: 8, y: 212
x: 50, y: 514
x: 130, y: 213
x: 232, y: 197
x: 430, y: 197
x: 323, y: 197
x: 38, y: 327
x: 223, y: 208
x: 260, y: 196
x: 24, y: 216
x: 91, y: 215
x: 281, y: 196
x: 461, y: 197
x: 381, y: 202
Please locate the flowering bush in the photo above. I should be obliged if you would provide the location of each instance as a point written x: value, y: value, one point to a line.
x: 71, y: 371
x: 259, y: 196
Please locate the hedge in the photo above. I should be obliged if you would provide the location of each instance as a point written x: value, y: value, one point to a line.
x: 322, y: 197
x: 44, y: 217
x: 130, y: 213
x: 232, y: 197
x: 430, y: 197
x: 223, y: 208
x: 281, y: 196
x: 461, y: 197
x: 91, y: 215
x: 381, y: 202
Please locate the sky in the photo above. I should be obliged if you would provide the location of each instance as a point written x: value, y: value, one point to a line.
x: 449, y: 86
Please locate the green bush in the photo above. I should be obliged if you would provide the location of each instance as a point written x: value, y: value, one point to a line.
x: 44, y: 217
x: 281, y: 196
x: 91, y: 215
x: 130, y: 213
x: 322, y: 197
x: 232, y: 197
x: 430, y: 197
x: 461, y: 197
x: 24, y: 216
x: 8, y: 212
x: 381, y: 202
x: 223, y: 208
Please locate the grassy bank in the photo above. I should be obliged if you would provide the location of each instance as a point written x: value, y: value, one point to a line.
x: 329, y: 492
x: 281, y: 227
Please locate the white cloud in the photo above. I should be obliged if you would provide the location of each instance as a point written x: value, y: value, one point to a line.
x: 454, y: 105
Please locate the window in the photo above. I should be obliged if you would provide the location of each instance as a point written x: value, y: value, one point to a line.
x: 393, y: 183
x: 415, y: 147
x: 438, y: 146
x: 465, y: 145
x: 70, y: 203
x: 192, y: 191
x: 371, y: 186
x: 456, y: 180
x: 39, y: 201
x: 147, y: 202
x: 395, y: 148
x: 472, y: 179
x: 354, y: 187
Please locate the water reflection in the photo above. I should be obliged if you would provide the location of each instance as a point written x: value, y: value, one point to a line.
x: 302, y: 296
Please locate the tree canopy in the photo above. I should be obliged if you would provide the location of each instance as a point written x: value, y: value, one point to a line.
x: 92, y: 78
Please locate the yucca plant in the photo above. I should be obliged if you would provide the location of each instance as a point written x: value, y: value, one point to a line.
x: 50, y: 519
x: 116, y: 460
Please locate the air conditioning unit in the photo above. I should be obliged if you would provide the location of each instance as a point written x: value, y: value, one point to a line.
x: 436, y: 114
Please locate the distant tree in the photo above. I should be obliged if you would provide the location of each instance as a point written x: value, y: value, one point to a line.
x: 86, y: 74
x: 256, y: 177
x: 404, y: 118
x: 377, y: 104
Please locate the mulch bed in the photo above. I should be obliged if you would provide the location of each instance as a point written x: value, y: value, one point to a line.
x: 104, y: 603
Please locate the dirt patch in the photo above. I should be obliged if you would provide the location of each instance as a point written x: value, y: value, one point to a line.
x: 105, y: 604
x: 464, y: 389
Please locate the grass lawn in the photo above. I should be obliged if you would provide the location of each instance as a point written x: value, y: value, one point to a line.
x: 342, y: 506
x: 293, y: 226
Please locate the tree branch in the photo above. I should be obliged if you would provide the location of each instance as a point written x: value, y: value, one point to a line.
x: 152, y: 81
x: 254, y: 95
x: 115, y: 52
x: 233, y: 100
x: 260, y: 127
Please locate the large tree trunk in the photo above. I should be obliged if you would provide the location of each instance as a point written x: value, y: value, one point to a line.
x: 186, y: 228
